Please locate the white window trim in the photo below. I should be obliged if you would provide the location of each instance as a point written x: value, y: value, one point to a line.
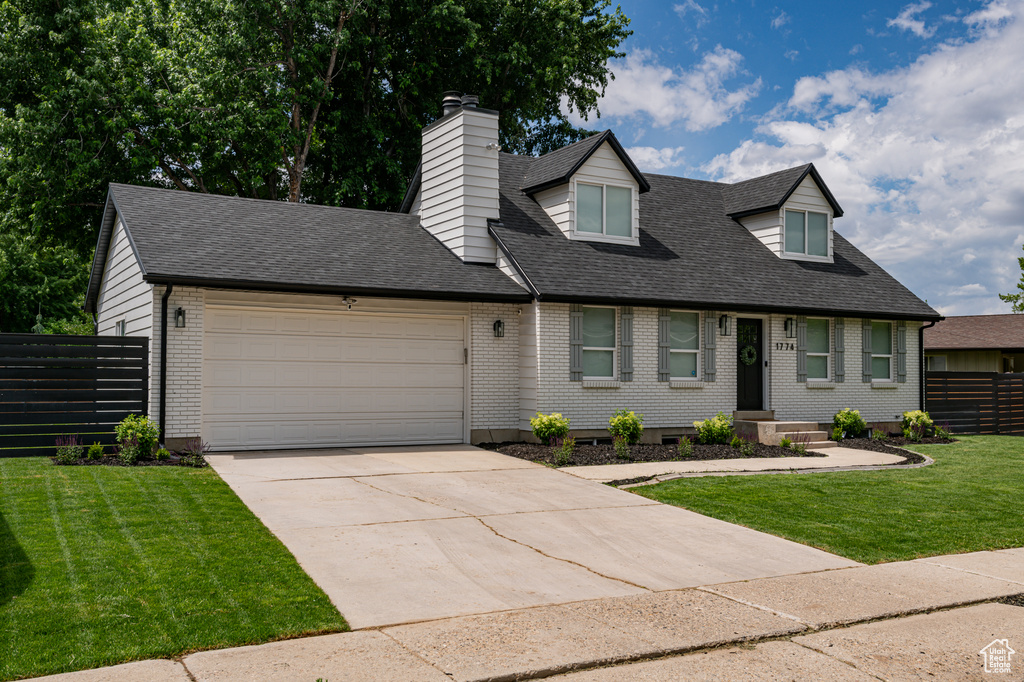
x: 684, y: 350
x: 827, y: 355
x: 890, y: 355
x: 798, y: 255
x: 121, y: 328
x: 614, y: 349
x: 633, y: 239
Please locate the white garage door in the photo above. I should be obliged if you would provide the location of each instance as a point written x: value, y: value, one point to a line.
x: 295, y: 378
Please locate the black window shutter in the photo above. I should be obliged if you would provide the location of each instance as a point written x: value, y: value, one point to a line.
x: 901, y: 352
x: 710, y: 339
x: 840, y: 351
x: 575, y: 342
x: 626, y: 343
x: 801, y: 349
x: 866, y: 355
x: 664, y: 325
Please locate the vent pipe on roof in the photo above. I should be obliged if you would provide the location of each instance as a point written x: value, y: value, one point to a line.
x: 451, y: 102
x: 470, y: 101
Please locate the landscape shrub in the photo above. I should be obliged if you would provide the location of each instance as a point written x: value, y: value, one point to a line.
x: 786, y: 442
x: 549, y: 427
x: 564, y: 448
x: 685, y: 447
x: 627, y: 424
x: 736, y: 442
x: 69, y: 449
x: 943, y: 431
x: 95, y: 451
x: 194, y: 453
x: 621, y: 446
x: 916, y: 422
x: 143, y: 432
x: 837, y: 434
x: 162, y: 454
x: 718, y: 429
x: 849, y: 422
x: 747, y: 448
x: 129, y: 450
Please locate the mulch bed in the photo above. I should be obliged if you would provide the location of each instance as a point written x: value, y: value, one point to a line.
x: 587, y: 455
x: 115, y: 461
x: 894, y: 445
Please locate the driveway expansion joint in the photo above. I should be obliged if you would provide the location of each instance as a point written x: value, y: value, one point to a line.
x: 760, y: 607
x: 967, y: 570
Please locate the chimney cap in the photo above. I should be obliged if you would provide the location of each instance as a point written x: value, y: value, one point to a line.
x: 451, y: 102
x: 470, y: 101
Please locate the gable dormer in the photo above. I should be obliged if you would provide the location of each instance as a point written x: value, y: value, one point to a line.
x: 790, y: 212
x: 591, y: 190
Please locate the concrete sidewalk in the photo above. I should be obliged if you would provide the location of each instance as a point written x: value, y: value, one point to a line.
x: 837, y: 458
x: 928, y: 618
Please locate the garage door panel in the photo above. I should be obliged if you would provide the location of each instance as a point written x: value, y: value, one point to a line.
x: 308, y: 378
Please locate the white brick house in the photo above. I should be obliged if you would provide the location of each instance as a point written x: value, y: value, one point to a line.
x: 506, y: 286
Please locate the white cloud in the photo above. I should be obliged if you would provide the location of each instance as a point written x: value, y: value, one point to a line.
x: 791, y: 55
x: 991, y: 15
x: 689, y: 7
x: 907, y: 20
x: 697, y: 97
x: 927, y: 161
x: 653, y: 159
x: 780, y: 20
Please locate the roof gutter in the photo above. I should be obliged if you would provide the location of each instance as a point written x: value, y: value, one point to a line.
x: 920, y: 352
x: 163, y: 361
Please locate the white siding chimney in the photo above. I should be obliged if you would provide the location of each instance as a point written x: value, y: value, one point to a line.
x: 459, y: 179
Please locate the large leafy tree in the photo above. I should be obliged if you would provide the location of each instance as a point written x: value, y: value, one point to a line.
x: 1016, y: 300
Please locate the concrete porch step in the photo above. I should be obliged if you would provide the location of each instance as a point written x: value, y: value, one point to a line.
x: 753, y: 415
x: 797, y: 427
x: 803, y: 436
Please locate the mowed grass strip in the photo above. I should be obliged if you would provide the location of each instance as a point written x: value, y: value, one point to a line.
x: 102, y: 565
x: 969, y: 500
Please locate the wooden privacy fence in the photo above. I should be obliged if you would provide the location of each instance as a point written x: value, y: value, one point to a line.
x: 976, y: 402
x: 62, y: 385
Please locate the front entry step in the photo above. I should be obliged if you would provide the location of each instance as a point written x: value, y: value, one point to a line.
x: 771, y: 432
x: 753, y: 415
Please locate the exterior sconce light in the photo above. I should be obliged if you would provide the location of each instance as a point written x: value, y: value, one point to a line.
x: 724, y: 325
x: 499, y: 329
x: 179, y: 318
x: 346, y: 301
x: 790, y: 328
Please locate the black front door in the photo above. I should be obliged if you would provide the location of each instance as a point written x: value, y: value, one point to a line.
x: 749, y: 364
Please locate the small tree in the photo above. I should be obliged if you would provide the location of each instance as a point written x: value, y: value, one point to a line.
x: 1017, y: 300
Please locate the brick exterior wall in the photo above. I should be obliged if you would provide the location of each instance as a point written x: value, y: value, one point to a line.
x: 184, y: 365
x: 494, y: 367
x: 666, y: 407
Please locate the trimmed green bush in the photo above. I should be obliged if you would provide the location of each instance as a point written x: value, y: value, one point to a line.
x: 685, y: 447
x: 95, y: 451
x: 849, y: 422
x: 621, y: 446
x: 142, y: 431
x: 628, y: 425
x: 69, y: 449
x: 916, y: 423
x: 549, y: 427
x: 718, y: 429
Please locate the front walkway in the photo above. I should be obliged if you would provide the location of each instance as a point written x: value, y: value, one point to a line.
x: 835, y: 459
x: 400, y: 535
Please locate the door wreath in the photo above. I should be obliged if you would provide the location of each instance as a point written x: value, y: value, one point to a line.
x: 748, y: 355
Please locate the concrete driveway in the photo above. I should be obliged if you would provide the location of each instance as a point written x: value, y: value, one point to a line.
x: 404, y: 534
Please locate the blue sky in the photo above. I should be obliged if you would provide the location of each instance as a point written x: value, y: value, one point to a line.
x: 913, y: 113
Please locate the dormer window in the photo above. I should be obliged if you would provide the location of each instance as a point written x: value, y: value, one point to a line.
x: 604, y: 210
x: 806, y: 233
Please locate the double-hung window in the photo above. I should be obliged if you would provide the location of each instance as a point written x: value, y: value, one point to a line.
x: 881, y: 351
x: 604, y: 210
x: 599, y: 342
x: 817, y: 349
x: 684, y: 344
x: 806, y: 233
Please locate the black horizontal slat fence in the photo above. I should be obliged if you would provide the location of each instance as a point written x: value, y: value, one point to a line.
x: 55, y: 385
x: 976, y: 402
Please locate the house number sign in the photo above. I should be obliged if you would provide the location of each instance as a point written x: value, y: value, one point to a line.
x: 785, y: 346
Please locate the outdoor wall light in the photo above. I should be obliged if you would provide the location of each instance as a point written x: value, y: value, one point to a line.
x: 179, y: 318
x: 346, y: 301
x: 790, y: 328
x: 724, y: 325
x: 499, y: 329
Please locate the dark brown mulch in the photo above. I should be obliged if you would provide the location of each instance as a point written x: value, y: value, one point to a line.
x: 894, y: 446
x: 115, y: 461
x: 587, y: 455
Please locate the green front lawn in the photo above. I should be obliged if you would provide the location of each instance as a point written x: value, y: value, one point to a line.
x: 101, y: 565
x: 969, y: 500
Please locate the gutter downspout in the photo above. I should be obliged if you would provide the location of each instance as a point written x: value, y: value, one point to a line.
x: 163, y: 359
x: 920, y: 351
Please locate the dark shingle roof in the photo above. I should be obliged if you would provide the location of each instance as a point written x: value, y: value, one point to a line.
x: 186, y: 237
x: 559, y: 166
x: 690, y: 253
x: 771, y: 191
x: 977, y: 332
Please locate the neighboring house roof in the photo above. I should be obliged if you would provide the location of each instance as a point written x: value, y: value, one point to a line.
x: 770, y: 192
x: 557, y: 167
x: 207, y: 240
x: 977, y: 332
x: 691, y: 253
